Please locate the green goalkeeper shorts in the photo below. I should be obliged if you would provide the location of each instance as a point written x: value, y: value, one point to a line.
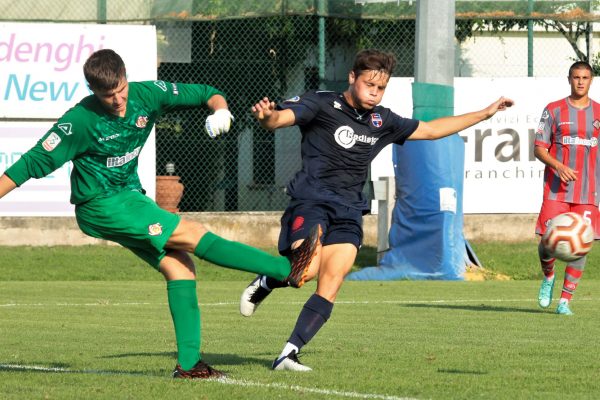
x: 131, y: 219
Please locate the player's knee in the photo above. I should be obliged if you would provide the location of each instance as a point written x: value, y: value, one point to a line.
x: 177, y: 265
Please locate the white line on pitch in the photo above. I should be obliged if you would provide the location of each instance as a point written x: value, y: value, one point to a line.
x: 228, y: 381
x: 328, y: 392
x: 228, y: 303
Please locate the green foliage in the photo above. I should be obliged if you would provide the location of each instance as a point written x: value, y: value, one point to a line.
x: 595, y: 63
x: 570, y: 18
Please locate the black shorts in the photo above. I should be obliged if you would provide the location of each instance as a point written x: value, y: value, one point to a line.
x: 340, y: 224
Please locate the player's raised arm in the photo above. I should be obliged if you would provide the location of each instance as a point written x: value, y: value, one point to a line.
x: 6, y: 185
x: 220, y: 120
x: 446, y: 126
x: 269, y: 117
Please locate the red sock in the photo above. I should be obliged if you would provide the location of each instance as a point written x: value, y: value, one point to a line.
x: 548, y: 267
x: 572, y: 276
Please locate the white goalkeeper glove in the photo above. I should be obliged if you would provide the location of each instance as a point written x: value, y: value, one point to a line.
x: 218, y: 123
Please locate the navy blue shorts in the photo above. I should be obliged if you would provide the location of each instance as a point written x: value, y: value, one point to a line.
x: 340, y: 224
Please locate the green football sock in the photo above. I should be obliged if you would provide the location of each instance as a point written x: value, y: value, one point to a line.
x: 240, y: 256
x: 183, y: 303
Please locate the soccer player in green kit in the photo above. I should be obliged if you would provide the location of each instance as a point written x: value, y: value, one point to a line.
x: 103, y: 136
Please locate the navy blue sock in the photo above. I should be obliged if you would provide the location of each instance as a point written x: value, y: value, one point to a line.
x: 273, y: 283
x: 314, y: 314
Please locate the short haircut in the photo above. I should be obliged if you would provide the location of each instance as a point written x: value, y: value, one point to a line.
x: 580, y: 65
x: 104, y: 70
x: 373, y: 60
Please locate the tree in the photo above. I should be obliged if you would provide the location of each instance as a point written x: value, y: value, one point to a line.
x: 572, y: 19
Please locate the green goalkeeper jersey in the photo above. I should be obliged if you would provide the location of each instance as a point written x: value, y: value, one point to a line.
x: 105, y: 148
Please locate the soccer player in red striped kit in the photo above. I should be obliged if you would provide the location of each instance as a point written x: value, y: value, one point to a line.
x: 567, y: 142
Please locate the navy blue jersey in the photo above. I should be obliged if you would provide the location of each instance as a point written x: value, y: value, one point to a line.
x: 338, y: 145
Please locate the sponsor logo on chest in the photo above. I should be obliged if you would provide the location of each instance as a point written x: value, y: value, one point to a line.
x: 577, y: 141
x: 112, y: 162
x: 345, y: 137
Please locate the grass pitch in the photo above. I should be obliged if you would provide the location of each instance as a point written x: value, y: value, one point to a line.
x: 65, y: 334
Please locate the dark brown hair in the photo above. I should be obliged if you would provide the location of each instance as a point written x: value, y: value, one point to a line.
x: 373, y: 60
x: 581, y: 65
x: 104, y: 70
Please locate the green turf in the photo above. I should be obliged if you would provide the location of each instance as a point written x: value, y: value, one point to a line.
x: 92, y: 322
x: 519, y: 260
x: 83, y: 263
x: 386, y: 340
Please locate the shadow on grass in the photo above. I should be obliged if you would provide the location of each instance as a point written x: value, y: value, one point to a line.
x: 461, y: 371
x: 211, y: 358
x: 61, y: 368
x: 481, y: 307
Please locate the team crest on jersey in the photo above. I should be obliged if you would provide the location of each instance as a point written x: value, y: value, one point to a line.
x: 155, y: 229
x: 142, y: 121
x: 66, y: 128
x: 596, y: 124
x: 376, y: 120
x: 51, y: 142
x: 294, y: 99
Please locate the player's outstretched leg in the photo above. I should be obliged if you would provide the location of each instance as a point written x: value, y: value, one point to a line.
x: 247, y: 258
x: 262, y: 285
x: 302, y: 256
x: 199, y: 371
x: 252, y: 296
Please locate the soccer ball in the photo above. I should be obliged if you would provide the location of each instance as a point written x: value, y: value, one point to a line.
x: 568, y: 237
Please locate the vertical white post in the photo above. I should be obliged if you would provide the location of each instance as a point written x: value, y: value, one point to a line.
x: 385, y: 194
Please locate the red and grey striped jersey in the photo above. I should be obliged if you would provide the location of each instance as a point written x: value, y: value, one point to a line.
x: 571, y: 136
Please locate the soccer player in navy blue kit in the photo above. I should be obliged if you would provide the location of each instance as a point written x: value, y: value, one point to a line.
x: 341, y: 134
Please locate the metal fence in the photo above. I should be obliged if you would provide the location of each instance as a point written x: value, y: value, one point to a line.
x: 282, y: 48
x: 248, y: 59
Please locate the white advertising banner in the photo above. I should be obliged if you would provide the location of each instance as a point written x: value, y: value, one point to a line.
x: 41, y: 65
x: 501, y: 172
x: 41, y: 77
